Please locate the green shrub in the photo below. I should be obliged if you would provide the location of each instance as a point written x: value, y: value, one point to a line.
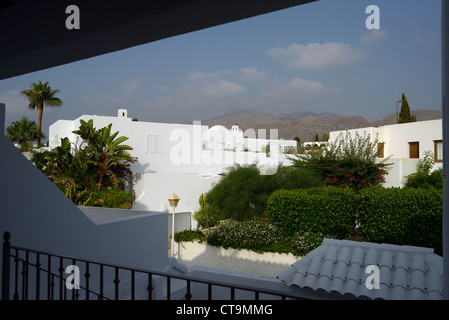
x: 256, y: 235
x: 404, y: 216
x: 424, y: 177
x: 290, y: 178
x: 242, y: 193
x: 325, y: 210
x: 239, y: 194
x: 303, y: 242
x: 207, y: 216
x: 346, y: 162
x: 426, y: 181
x: 106, y: 198
x: 189, y: 235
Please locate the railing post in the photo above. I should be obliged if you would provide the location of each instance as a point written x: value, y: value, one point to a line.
x: 6, y: 265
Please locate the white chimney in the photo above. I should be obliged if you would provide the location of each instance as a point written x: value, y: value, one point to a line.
x: 122, y: 113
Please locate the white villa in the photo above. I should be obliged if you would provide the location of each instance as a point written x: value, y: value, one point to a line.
x: 186, y: 159
x: 405, y: 144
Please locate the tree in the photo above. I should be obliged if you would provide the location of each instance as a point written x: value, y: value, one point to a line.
x: 105, y: 151
x: 242, y: 192
x: 39, y: 96
x: 404, y: 115
x: 24, y: 132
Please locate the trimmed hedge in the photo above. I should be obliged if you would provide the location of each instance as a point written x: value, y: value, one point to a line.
x: 402, y: 216
x: 325, y: 210
x: 385, y: 215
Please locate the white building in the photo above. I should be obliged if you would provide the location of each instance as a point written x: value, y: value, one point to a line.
x: 186, y: 159
x: 405, y: 144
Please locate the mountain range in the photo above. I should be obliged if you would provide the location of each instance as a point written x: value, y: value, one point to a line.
x: 305, y: 124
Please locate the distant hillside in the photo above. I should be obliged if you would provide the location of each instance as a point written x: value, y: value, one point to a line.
x: 421, y: 115
x: 305, y: 124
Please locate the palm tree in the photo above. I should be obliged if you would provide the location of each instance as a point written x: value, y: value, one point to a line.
x: 105, y: 151
x: 24, y: 132
x: 40, y: 95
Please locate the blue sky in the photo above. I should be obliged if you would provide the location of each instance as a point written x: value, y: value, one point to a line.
x: 317, y: 57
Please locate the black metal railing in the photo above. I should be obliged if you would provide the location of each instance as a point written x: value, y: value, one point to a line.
x: 33, y: 275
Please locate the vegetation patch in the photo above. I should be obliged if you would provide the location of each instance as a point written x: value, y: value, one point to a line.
x: 255, y: 235
x: 347, y: 162
x: 404, y: 216
x: 242, y: 192
x: 92, y: 172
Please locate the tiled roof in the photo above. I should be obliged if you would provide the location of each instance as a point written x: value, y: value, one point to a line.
x: 341, y: 267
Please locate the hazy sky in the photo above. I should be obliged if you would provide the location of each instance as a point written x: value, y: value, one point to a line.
x: 317, y: 57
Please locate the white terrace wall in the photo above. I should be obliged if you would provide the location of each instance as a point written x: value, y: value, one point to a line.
x: 41, y: 217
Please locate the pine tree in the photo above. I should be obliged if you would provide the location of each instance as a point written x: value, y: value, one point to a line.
x: 404, y: 115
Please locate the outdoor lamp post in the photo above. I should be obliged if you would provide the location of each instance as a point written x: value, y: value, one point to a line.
x: 173, y: 201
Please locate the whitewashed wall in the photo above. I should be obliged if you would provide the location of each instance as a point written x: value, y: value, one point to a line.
x: 190, y: 158
x: 396, y: 138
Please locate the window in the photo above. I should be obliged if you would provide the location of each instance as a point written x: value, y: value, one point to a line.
x: 154, y: 144
x: 380, y: 149
x: 414, y: 150
x: 438, y: 150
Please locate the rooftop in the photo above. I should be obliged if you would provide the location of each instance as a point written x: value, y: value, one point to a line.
x: 341, y: 266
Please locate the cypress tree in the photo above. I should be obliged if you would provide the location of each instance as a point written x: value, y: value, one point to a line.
x: 404, y: 115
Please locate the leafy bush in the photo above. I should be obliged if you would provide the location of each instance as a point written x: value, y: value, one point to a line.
x: 290, y: 178
x: 325, y: 210
x: 401, y: 216
x: 261, y: 236
x: 426, y: 181
x: 93, y: 172
x: 255, y: 235
x: 404, y: 216
x: 242, y: 193
x: 207, y: 216
x: 303, y: 242
x: 189, y: 235
x: 346, y: 162
x: 423, y: 177
x: 239, y: 194
x: 109, y: 198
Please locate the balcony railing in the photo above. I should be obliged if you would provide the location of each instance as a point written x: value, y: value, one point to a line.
x: 33, y: 275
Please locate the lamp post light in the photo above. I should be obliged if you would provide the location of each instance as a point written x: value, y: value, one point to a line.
x: 173, y: 201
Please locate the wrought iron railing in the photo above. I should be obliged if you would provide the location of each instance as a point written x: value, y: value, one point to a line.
x: 33, y: 275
